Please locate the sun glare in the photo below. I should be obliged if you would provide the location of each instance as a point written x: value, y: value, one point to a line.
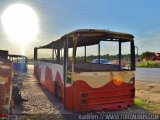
x: 20, y: 23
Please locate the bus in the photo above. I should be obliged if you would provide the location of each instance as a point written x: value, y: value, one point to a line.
x: 6, y: 75
x: 19, y: 63
x: 66, y: 69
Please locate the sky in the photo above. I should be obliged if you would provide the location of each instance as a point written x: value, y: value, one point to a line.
x: 58, y: 17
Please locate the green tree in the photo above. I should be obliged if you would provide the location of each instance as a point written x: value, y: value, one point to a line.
x: 147, y: 54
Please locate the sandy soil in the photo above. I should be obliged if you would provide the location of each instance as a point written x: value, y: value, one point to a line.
x: 149, y: 91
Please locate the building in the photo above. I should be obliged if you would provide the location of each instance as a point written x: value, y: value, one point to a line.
x: 155, y: 56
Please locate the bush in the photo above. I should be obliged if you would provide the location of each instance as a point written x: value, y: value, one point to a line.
x: 148, y: 64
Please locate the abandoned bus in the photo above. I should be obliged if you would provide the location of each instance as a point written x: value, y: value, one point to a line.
x: 67, y: 69
x: 19, y: 63
x: 6, y: 75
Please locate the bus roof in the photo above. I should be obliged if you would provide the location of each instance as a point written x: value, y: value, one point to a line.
x: 16, y: 56
x: 86, y: 37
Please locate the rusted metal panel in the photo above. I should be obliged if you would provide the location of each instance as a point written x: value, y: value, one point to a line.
x: 3, y: 54
x: 89, y: 37
x: 6, y: 74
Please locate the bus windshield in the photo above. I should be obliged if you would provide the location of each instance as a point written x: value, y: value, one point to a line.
x: 107, y: 55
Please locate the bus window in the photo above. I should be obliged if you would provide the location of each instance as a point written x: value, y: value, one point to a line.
x: 109, y: 51
x: 62, y: 55
x: 87, y: 53
x: 99, y: 57
x: 106, y: 53
x: 45, y: 55
x: 54, y: 55
x: 70, y: 54
x: 126, y: 54
x: 91, y: 53
x: 80, y: 54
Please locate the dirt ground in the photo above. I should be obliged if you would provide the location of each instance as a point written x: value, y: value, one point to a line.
x: 150, y: 93
x: 41, y: 105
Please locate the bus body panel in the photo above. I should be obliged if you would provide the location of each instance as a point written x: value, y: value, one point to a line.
x: 48, y: 75
x: 20, y: 67
x: 89, y: 91
x: 6, y: 74
x: 104, y: 94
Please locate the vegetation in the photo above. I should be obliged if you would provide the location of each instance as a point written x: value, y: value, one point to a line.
x: 107, y: 56
x: 140, y: 103
x: 148, y: 64
x: 125, y: 57
x: 146, y: 105
x: 147, y: 54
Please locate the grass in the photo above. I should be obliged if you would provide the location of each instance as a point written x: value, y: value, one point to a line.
x: 140, y: 103
x: 148, y: 64
x: 153, y: 107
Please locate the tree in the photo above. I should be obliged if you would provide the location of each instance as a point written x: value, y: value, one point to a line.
x: 147, y: 54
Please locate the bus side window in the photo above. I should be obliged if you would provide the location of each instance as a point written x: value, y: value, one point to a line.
x: 69, y: 68
x: 70, y: 54
x: 126, y: 55
x: 45, y: 55
x: 80, y: 54
x: 62, y: 56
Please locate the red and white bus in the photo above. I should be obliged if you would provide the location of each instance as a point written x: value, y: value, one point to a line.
x: 66, y: 69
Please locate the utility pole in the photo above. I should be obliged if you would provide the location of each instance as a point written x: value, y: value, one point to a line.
x: 137, y: 51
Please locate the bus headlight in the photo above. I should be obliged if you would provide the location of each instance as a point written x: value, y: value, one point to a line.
x: 117, y: 80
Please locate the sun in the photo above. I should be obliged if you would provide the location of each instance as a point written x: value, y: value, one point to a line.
x: 20, y: 23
